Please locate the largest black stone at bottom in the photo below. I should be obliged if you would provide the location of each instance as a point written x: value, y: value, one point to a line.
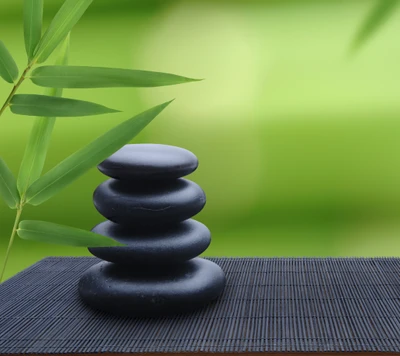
x: 152, y: 291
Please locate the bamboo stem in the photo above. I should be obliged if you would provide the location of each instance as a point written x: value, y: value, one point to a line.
x: 15, y: 88
x: 14, y: 231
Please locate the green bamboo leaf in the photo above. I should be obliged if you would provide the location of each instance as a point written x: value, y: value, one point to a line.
x: 8, y: 67
x: 33, y: 16
x: 97, y: 77
x: 95, y: 152
x: 44, y: 105
x: 375, y: 18
x: 62, y: 60
x: 47, y: 232
x: 8, y: 186
x: 63, y: 22
x: 63, y: 55
x: 35, y: 153
x: 36, y: 149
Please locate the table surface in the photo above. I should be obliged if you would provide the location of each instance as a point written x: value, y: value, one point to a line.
x: 270, y: 305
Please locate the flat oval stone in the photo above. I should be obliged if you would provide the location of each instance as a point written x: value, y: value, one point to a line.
x: 152, y: 203
x: 117, y: 289
x: 171, y: 245
x: 149, y: 161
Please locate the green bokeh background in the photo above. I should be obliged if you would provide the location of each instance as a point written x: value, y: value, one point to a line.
x: 298, y: 142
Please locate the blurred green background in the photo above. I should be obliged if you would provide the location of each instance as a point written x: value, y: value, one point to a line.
x: 298, y: 142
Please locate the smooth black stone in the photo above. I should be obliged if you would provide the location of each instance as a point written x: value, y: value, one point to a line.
x: 154, y: 292
x: 131, y: 203
x: 175, y: 244
x: 149, y: 161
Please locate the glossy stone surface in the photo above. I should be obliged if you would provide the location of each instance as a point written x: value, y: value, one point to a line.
x: 151, y: 292
x: 149, y: 161
x: 171, y: 245
x: 157, y: 203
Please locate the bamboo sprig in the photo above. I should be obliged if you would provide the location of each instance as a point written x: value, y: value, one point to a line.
x: 31, y: 187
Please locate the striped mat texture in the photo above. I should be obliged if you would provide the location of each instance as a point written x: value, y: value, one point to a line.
x: 269, y: 305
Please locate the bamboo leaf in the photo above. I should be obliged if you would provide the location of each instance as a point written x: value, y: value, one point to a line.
x: 97, y: 77
x: 44, y: 105
x: 95, y: 152
x: 8, y: 186
x: 8, y: 67
x: 375, y: 18
x: 36, y: 149
x: 47, y: 232
x: 33, y: 16
x: 35, y: 153
x: 62, y: 60
x: 63, y: 56
x: 63, y: 22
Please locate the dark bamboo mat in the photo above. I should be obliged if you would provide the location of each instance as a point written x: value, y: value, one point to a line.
x: 269, y: 305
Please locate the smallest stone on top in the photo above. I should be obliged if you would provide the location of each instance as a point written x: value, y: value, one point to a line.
x: 149, y: 162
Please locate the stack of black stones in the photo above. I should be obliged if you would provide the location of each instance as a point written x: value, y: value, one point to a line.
x: 148, y: 207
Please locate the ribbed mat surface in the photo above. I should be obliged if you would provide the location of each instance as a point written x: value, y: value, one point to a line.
x: 269, y: 305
